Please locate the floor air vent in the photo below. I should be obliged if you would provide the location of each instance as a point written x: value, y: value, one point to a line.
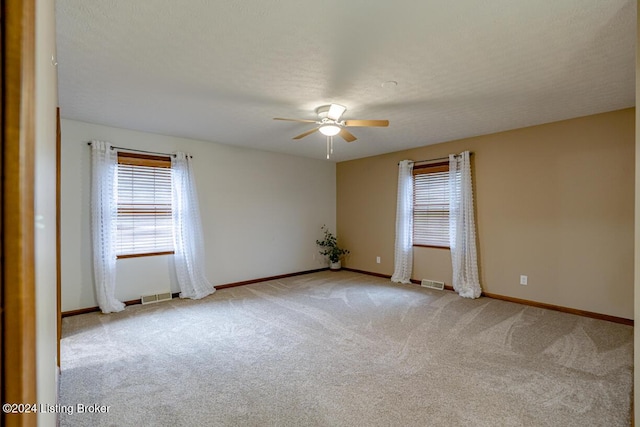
x: 432, y: 284
x: 148, y: 299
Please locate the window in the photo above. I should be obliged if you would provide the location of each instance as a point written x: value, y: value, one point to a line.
x: 431, y: 205
x: 144, y: 222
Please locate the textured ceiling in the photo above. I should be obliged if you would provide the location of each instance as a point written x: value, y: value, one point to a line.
x: 221, y: 70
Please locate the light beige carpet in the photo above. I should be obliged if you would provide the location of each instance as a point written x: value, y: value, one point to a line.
x: 344, y: 349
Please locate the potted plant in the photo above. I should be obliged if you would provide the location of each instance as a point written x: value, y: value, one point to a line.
x: 329, y: 248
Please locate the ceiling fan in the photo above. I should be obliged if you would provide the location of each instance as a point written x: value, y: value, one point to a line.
x: 329, y: 123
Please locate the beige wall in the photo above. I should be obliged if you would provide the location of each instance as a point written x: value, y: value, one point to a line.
x: 554, y: 202
x: 45, y: 209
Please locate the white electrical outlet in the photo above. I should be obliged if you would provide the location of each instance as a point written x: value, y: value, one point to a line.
x: 377, y: 260
x: 523, y: 279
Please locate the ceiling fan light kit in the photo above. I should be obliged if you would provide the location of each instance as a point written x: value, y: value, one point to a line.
x: 329, y: 124
x: 329, y: 129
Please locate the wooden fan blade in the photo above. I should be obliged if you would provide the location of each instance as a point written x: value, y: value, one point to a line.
x: 361, y: 123
x: 295, y: 120
x: 302, y: 135
x: 346, y: 135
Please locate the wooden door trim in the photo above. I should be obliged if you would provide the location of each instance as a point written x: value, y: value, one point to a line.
x: 17, y: 257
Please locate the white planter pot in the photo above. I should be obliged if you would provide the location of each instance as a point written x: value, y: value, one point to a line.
x: 335, y: 265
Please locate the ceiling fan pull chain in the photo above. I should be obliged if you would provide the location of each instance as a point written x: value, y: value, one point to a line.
x: 328, y: 147
x: 331, y: 144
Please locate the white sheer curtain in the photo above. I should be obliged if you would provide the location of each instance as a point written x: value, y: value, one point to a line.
x: 404, y: 224
x: 187, y: 231
x: 462, y: 227
x: 104, y: 163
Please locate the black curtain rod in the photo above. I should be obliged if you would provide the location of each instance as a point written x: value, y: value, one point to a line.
x: 113, y: 147
x: 434, y: 160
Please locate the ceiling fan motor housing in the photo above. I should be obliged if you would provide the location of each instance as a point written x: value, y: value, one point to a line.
x: 323, y: 112
x: 332, y: 112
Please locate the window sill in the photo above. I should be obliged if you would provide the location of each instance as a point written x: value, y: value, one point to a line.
x: 141, y: 255
x: 431, y: 246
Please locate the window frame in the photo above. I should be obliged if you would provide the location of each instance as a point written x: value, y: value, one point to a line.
x: 146, y: 160
x: 437, y: 167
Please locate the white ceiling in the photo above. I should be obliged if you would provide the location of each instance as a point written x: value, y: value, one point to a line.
x: 221, y: 70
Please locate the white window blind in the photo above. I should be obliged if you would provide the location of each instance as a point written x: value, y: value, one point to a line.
x: 431, y: 206
x: 144, y: 223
